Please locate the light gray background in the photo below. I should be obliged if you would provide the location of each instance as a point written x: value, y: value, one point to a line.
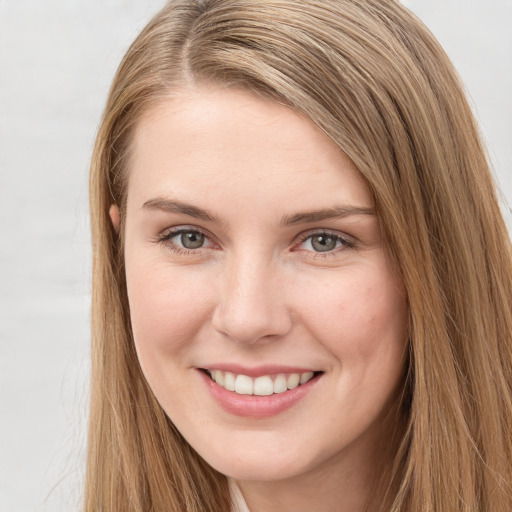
x: 56, y: 62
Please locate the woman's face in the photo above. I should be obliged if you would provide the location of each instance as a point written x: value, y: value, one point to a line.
x: 254, y: 256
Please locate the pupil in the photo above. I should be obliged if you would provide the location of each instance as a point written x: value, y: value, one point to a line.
x: 192, y: 240
x: 322, y: 243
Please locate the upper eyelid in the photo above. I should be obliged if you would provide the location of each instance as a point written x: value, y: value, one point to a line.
x: 165, y: 235
x: 347, y: 242
x: 175, y: 230
x: 333, y: 232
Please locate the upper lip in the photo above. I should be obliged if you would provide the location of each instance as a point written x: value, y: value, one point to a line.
x: 257, y: 371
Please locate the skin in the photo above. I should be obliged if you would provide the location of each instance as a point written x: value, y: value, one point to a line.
x: 258, y: 292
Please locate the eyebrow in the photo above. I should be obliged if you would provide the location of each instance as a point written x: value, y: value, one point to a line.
x: 334, y: 212
x: 171, y: 206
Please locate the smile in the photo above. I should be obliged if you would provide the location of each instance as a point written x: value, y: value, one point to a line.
x: 265, y: 392
x: 264, y: 385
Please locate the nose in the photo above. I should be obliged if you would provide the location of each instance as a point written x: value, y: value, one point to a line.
x: 251, y: 306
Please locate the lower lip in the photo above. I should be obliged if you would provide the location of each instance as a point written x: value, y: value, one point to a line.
x: 251, y: 406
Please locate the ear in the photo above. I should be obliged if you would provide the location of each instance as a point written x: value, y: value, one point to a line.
x: 114, y: 217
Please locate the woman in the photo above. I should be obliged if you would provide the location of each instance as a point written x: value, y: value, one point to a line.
x: 302, y: 281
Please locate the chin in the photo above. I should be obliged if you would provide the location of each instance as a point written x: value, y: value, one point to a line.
x: 254, y: 471
x: 257, y: 464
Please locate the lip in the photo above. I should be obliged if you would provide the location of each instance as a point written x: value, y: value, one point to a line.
x: 258, y: 371
x: 251, y: 406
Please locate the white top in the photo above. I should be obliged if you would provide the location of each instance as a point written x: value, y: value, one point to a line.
x: 238, y: 503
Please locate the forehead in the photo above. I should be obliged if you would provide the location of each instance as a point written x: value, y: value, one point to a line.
x: 230, y: 139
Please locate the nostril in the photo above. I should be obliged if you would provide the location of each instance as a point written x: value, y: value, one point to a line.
x: 249, y: 324
x: 250, y: 307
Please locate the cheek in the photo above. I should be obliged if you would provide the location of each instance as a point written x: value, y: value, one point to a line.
x: 167, y: 308
x: 360, y: 317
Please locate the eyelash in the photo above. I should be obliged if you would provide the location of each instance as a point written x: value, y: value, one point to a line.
x: 346, y: 242
x: 166, y: 237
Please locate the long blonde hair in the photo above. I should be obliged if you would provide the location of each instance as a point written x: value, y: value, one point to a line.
x: 374, y: 79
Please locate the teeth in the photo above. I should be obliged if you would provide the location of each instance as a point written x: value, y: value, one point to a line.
x: 229, y: 381
x: 280, y: 384
x: 263, y: 386
x: 219, y: 377
x: 305, y: 377
x: 293, y: 381
x: 244, y: 385
x: 260, y: 386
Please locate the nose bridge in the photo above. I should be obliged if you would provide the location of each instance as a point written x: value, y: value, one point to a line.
x: 251, y: 305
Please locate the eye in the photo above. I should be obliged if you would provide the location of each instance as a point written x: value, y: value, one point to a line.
x: 324, y: 242
x: 184, y: 239
x: 189, y: 239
